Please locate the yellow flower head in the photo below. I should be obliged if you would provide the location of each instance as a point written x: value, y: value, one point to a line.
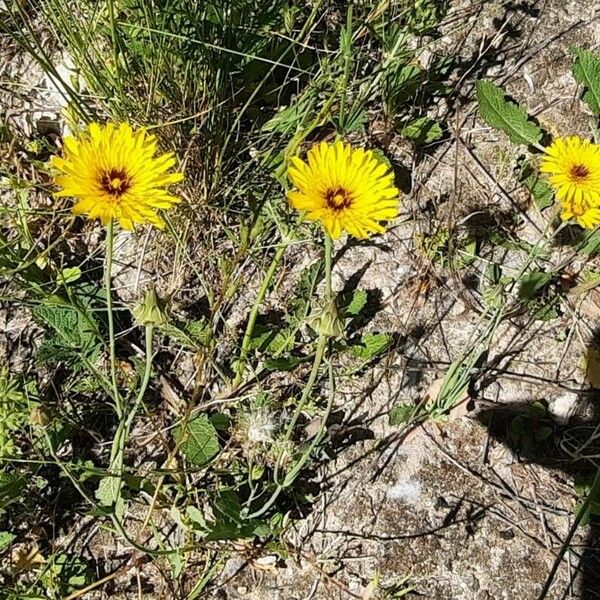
x: 586, y: 214
x: 346, y: 189
x: 573, y: 165
x: 114, y: 174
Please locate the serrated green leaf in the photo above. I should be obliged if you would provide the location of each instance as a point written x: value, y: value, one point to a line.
x: 357, y: 303
x: 372, y: 344
x: 422, y: 130
x: 198, y: 442
x: 586, y: 70
x: 505, y: 115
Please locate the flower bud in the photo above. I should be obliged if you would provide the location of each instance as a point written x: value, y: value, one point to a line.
x: 151, y: 310
x: 326, y: 320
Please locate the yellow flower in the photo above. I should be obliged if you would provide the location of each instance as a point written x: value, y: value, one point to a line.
x: 573, y: 165
x: 114, y: 174
x: 586, y: 214
x: 345, y: 189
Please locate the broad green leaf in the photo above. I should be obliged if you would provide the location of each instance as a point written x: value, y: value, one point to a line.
x: 198, y: 442
x: 401, y: 84
x: 586, y: 70
x: 176, y: 563
x: 284, y: 363
x: 268, y: 339
x: 505, y: 115
x: 220, y: 421
x: 11, y: 485
x: 196, y: 516
x: 422, y: 130
x: 372, y: 344
x: 109, y: 495
x: 194, y: 333
x: 109, y: 491
x: 532, y: 283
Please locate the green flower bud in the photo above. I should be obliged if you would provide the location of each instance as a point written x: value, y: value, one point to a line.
x: 151, y: 310
x: 326, y: 320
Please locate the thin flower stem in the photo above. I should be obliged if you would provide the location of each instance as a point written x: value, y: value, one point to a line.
x: 594, y: 491
x: 122, y: 434
x: 328, y: 267
x: 322, y: 347
x: 262, y: 292
x: 347, y: 64
x: 111, y: 326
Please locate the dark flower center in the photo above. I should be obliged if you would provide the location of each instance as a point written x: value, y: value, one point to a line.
x: 338, y: 198
x: 115, y: 182
x: 579, y: 172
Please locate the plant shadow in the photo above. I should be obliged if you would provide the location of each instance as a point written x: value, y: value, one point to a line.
x: 536, y: 439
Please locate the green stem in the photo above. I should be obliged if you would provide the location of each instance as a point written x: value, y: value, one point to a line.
x: 111, y: 326
x: 262, y: 292
x: 122, y: 433
x: 322, y: 345
x: 328, y: 267
x: 347, y: 63
x: 594, y: 492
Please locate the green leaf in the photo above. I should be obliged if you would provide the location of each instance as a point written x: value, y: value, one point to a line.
x: 505, y: 115
x: 590, y: 243
x: 402, y: 413
x: 586, y: 70
x: 402, y: 84
x: 422, y: 130
x: 194, y: 333
x: 69, y: 275
x: 543, y: 433
x: 11, y: 485
x: 283, y: 363
x: 109, y: 491
x: 5, y: 539
x: 357, y: 303
x: 196, y: 516
x: 537, y: 184
x: 198, y: 442
x: 220, y: 421
x: 372, y: 344
x: 355, y: 119
x: 532, y: 283
x: 268, y: 339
